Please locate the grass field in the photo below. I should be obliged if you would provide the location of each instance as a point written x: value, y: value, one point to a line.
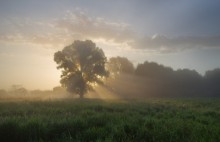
x: 152, y: 120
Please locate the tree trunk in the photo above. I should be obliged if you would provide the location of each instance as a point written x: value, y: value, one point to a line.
x: 81, y: 95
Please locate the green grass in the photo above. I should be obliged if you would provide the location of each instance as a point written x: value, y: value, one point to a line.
x: 153, y: 120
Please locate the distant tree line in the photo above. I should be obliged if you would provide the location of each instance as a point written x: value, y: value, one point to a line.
x: 169, y: 82
x: 147, y: 79
x: 19, y: 90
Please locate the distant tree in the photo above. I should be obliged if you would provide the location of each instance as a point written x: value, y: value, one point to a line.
x: 16, y: 86
x: 82, y: 64
x: 212, y: 82
x: 188, y: 82
x: 120, y: 65
x: 154, y: 70
x: 3, y: 92
x: 59, y: 90
x: 188, y: 77
x: 213, y: 75
x: 182, y: 82
x: 18, y: 90
x: 41, y: 92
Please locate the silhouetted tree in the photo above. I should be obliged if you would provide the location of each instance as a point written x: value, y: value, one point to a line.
x: 83, y: 65
x: 188, y: 82
x: 212, y: 82
x: 120, y: 65
x: 183, y: 82
x: 153, y: 70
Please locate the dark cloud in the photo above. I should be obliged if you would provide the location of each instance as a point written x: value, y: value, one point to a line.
x: 165, y: 44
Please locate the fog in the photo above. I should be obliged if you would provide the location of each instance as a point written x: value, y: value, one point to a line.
x: 147, y: 80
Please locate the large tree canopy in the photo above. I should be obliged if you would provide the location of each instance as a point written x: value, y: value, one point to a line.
x: 82, y: 64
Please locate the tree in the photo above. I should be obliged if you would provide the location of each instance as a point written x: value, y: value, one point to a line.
x: 212, y: 81
x: 120, y: 65
x: 58, y: 90
x: 82, y: 64
x: 154, y: 70
x: 18, y: 90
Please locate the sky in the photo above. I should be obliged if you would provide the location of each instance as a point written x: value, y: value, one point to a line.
x: 176, y: 33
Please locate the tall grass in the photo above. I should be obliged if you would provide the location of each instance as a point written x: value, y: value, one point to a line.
x: 154, y: 120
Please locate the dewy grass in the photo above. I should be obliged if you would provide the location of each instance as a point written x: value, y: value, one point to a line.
x: 153, y: 120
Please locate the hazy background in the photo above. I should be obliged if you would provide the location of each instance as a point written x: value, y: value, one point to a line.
x: 179, y: 34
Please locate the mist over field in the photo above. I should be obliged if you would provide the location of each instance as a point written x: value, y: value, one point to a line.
x: 147, y: 80
x: 109, y: 71
x: 125, y: 81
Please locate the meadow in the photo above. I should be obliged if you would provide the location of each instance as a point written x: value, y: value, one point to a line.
x: 95, y: 120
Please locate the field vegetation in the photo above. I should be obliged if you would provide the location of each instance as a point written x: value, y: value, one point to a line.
x: 149, y: 120
x: 118, y: 102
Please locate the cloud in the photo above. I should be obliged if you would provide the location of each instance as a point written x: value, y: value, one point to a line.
x: 84, y: 26
x: 59, y: 32
x: 165, y: 44
x: 32, y: 31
